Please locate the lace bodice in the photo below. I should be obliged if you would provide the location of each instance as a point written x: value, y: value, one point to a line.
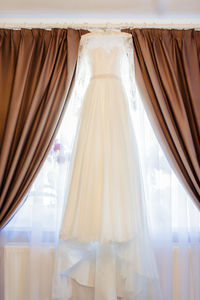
x: 105, y: 52
x: 103, y: 62
x: 102, y: 53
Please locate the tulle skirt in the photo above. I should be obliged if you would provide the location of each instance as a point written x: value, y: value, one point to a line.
x: 104, y: 247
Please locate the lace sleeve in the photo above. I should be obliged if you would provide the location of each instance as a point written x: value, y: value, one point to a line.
x: 82, y: 77
x: 129, y: 72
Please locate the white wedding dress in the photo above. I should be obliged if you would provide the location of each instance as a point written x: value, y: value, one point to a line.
x: 104, y: 251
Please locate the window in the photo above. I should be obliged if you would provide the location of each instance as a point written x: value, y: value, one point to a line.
x: 172, y: 215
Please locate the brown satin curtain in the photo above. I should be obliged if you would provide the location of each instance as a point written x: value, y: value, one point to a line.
x: 167, y: 63
x: 37, y: 68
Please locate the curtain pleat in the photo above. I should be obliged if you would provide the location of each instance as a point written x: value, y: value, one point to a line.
x: 37, y: 68
x: 169, y: 64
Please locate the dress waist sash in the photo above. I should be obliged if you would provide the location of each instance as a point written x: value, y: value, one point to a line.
x: 103, y: 76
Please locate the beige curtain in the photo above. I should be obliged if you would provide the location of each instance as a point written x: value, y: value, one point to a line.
x: 168, y: 63
x: 36, y: 73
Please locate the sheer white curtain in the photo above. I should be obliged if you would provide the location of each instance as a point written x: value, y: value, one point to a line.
x: 174, y: 220
x: 27, y: 242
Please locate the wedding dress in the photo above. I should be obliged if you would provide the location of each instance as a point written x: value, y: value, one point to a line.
x: 104, y: 244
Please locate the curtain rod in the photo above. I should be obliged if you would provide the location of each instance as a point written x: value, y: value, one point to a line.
x: 100, y: 26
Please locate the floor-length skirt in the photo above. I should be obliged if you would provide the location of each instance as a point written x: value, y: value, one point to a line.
x: 104, y: 243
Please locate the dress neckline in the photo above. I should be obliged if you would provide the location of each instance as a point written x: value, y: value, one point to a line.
x: 104, y: 33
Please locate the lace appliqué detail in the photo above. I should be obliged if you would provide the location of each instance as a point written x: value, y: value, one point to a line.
x: 108, y: 41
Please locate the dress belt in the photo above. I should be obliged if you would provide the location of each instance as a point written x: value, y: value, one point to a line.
x: 102, y: 76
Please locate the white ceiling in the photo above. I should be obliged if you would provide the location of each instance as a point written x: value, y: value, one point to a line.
x: 131, y: 6
x: 181, y: 10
